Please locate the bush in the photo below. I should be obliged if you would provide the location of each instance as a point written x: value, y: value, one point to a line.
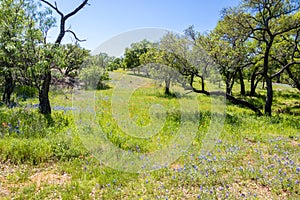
x: 24, y: 123
x: 29, y: 137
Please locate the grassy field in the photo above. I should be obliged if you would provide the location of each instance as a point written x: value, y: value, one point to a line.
x: 250, y: 158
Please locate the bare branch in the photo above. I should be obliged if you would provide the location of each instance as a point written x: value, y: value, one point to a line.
x: 85, y: 2
x: 64, y: 19
x: 53, y: 7
x: 75, y: 36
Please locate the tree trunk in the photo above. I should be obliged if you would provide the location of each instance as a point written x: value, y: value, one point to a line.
x: 228, y: 89
x: 279, y: 79
x: 242, y: 83
x: 202, y: 83
x: 254, y: 84
x: 9, y: 86
x: 244, y: 103
x: 45, y: 107
x: 269, y: 99
x: 268, y: 79
x: 167, y: 87
x: 230, y: 83
x: 229, y: 97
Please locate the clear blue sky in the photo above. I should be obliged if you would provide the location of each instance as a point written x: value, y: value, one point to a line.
x: 104, y: 19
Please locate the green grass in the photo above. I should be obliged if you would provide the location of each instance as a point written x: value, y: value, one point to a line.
x: 253, y: 157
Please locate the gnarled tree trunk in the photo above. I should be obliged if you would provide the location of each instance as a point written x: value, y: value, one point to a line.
x: 9, y: 86
x: 45, y: 107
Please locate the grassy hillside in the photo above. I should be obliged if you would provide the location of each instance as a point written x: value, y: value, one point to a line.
x: 250, y: 157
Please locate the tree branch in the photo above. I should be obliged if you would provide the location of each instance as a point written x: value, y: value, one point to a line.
x: 284, y: 68
x: 85, y: 2
x: 53, y: 7
x: 64, y: 18
x: 229, y: 97
x: 75, y: 36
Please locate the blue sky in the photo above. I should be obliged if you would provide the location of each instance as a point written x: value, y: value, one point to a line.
x: 103, y: 20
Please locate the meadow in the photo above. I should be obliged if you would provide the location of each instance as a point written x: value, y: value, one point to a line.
x: 250, y: 157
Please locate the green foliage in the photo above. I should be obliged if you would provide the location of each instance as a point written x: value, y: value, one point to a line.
x: 117, y: 63
x: 23, y: 123
x: 93, y: 77
x: 94, y: 71
x: 132, y: 54
x: 254, y: 157
x: 25, y: 92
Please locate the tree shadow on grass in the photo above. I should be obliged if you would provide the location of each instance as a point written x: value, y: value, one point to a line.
x: 287, y: 95
x: 258, y: 100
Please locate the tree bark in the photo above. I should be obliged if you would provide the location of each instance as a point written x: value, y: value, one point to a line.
x: 45, y: 107
x: 9, y: 86
x: 269, y: 99
x: 167, y: 87
x: 254, y: 83
x: 202, y: 83
x: 268, y: 79
x: 242, y: 83
x: 230, y: 83
x: 228, y: 89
